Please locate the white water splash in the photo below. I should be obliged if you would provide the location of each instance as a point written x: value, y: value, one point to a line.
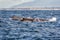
x: 53, y: 19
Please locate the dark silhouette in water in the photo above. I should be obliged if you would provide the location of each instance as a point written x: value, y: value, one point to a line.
x: 28, y: 19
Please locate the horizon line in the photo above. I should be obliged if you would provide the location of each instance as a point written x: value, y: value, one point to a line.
x: 31, y: 8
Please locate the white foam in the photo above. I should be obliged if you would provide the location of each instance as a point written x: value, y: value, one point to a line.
x: 53, y: 19
x: 30, y: 17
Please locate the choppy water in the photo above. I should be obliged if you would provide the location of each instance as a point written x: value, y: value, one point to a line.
x: 17, y: 30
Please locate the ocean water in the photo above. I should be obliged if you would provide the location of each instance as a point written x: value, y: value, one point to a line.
x: 17, y: 30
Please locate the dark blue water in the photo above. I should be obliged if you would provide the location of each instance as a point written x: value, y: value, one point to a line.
x: 17, y: 30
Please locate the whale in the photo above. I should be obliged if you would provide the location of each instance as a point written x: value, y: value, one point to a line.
x: 29, y: 19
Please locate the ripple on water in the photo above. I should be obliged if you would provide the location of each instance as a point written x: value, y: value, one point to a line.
x: 17, y: 30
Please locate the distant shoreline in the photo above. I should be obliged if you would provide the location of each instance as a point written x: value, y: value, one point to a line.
x: 58, y: 8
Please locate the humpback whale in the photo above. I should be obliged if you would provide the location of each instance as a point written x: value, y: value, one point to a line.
x: 53, y: 19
